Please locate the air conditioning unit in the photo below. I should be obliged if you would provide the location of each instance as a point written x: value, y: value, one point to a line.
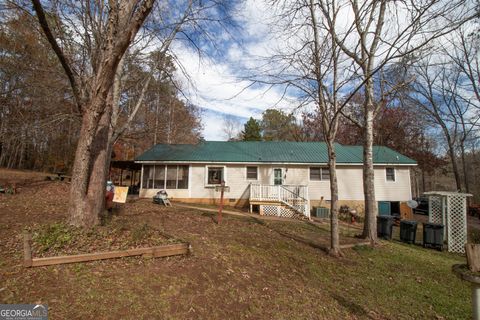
x: 321, y: 212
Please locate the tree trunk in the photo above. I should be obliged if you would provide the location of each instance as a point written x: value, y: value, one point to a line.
x: 334, y: 231
x: 370, y: 225
x: 88, y: 174
x: 464, y: 168
x: 424, y: 188
x: 99, y: 173
x: 451, y: 153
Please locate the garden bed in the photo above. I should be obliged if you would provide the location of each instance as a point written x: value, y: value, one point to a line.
x: 62, y: 239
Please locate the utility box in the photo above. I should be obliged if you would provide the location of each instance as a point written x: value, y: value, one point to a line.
x: 408, y: 231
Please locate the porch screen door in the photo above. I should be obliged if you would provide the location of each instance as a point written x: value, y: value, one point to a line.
x: 277, y: 177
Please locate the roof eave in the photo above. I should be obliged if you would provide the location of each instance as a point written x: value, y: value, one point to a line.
x: 268, y: 162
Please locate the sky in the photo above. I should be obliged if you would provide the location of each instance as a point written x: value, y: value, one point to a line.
x: 215, y: 80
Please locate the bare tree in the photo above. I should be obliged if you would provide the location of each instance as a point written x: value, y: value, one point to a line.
x: 372, y: 35
x: 329, y: 108
x: 309, y: 65
x: 443, y: 93
x: 231, y: 128
x: 93, y: 60
x: 36, y: 122
x: 463, y: 51
x: 112, y: 28
x: 377, y: 34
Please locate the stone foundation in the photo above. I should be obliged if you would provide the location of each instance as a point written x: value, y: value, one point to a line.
x: 227, y: 202
x: 241, y: 203
x: 358, y: 205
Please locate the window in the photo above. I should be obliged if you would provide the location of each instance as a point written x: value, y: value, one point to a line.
x: 159, y: 182
x: 390, y: 174
x: 214, y: 175
x: 154, y: 177
x: 171, y: 177
x: 182, y: 177
x: 147, y: 176
x: 319, y: 173
x: 252, y: 173
x: 325, y: 174
x: 277, y: 176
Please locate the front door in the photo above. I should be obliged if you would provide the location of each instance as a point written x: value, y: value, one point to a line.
x: 277, y: 176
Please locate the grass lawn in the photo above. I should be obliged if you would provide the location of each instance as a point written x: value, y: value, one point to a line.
x: 241, y: 269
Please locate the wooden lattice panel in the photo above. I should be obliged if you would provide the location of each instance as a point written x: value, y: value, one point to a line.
x: 457, y: 223
x: 280, y: 211
x: 435, y: 209
x: 270, y: 210
x: 287, y: 212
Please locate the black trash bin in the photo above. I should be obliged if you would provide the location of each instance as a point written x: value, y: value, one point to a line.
x: 408, y: 231
x: 433, y: 235
x: 384, y: 227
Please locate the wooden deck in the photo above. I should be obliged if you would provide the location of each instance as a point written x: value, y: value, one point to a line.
x: 280, y: 200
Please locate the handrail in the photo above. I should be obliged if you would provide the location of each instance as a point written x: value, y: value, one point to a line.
x: 274, y: 192
x: 296, y: 195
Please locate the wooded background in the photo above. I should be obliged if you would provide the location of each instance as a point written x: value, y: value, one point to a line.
x: 429, y: 120
x: 39, y: 124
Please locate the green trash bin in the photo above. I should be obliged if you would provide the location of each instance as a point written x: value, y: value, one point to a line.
x: 384, y: 227
x: 408, y: 231
x: 433, y: 235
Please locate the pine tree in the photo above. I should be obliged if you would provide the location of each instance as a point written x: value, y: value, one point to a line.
x: 252, y: 131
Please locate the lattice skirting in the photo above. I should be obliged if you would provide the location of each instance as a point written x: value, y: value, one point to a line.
x: 279, y: 211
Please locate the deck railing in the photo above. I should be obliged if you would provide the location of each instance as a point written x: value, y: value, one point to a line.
x: 294, y: 196
x: 268, y: 192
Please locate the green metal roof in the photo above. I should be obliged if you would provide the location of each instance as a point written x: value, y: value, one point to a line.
x: 268, y: 152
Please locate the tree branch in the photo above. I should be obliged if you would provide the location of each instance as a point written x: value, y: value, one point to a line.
x: 58, y: 51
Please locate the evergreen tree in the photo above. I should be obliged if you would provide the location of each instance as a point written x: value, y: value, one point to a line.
x: 278, y: 126
x: 252, y: 131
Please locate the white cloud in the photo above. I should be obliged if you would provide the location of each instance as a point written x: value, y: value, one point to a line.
x: 215, y: 85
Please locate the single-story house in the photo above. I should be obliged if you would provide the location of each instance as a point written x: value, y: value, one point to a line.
x: 277, y: 178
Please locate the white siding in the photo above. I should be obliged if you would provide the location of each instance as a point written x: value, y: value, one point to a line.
x: 350, y: 185
x: 398, y: 190
x: 235, y: 178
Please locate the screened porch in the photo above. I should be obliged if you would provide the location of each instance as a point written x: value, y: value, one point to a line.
x: 165, y: 177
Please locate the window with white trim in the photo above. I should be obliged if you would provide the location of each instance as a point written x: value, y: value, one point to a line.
x: 319, y: 174
x: 252, y: 173
x: 215, y: 175
x: 154, y: 177
x: 390, y: 174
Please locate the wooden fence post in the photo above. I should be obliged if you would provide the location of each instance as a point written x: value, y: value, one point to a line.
x: 222, y: 188
x: 27, y: 249
x: 473, y: 256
